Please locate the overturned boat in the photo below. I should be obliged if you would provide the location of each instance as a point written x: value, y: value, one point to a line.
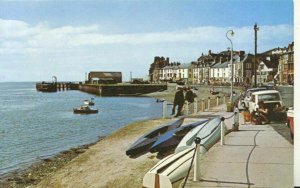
x: 147, y: 140
x: 172, y: 138
x: 170, y: 171
x: 210, y: 133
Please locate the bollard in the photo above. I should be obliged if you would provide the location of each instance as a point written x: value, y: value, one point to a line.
x: 208, y: 103
x: 224, y: 99
x: 187, y: 108
x: 217, y: 100
x: 236, y: 120
x: 202, y: 105
x: 222, y: 142
x: 196, y: 105
x: 164, y: 109
x: 197, y: 160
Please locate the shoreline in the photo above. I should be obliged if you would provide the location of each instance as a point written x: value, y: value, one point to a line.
x: 37, y: 175
x: 33, y: 174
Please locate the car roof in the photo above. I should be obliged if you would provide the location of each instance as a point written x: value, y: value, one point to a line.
x: 257, y: 88
x: 265, y: 92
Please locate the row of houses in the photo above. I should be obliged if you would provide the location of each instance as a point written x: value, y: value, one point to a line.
x: 275, y: 65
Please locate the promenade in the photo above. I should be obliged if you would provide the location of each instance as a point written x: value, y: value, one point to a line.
x: 254, y: 156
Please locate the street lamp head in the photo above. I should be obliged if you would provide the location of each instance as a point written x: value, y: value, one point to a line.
x: 230, y: 32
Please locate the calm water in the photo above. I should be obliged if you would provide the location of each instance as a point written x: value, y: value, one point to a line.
x: 35, y: 125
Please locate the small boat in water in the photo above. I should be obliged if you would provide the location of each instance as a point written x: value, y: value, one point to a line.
x: 146, y: 141
x: 89, y: 102
x: 85, y: 109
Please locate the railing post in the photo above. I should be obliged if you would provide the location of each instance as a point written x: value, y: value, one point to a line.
x: 236, y: 119
x: 222, y: 141
x: 195, y: 105
x: 165, y: 109
x: 208, y: 103
x: 202, y: 105
x: 217, y: 100
x: 197, y: 160
x: 187, y: 108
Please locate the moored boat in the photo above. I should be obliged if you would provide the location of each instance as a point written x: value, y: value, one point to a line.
x: 89, y: 102
x: 146, y: 141
x: 85, y: 110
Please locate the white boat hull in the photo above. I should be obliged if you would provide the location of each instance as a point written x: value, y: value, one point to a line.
x: 169, y: 171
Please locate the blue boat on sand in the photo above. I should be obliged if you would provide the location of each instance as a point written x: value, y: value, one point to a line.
x: 172, y: 138
x: 147, y: 140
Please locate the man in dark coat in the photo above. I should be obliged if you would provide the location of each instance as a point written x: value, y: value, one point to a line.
x: 178, y: 101
x: 189, y: 96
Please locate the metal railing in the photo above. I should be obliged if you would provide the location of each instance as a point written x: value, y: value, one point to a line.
x: 196, y: 156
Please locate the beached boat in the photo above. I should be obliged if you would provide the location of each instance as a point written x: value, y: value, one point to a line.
x: 211, y: 128
x: 147, y: 140
x: 85, y: 110
x: 172, y: 138
x: 169, y: 172
x: 89, y: 102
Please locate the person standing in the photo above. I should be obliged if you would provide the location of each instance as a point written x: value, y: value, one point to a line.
x: 178, y: 101
x: 189, y: 96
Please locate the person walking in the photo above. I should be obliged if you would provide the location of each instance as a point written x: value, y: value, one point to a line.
x: 178, y: 101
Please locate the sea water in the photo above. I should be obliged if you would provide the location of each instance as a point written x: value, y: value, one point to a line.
x: 36, y: 125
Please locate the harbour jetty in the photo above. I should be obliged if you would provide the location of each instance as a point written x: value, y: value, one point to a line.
x: 121, y: 89
x: 55, y: 86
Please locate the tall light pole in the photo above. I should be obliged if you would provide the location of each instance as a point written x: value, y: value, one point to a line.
x: 255, y: 52
x: 231, y: 62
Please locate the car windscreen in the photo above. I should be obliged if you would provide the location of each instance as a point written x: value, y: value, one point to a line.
x: 269, y: 97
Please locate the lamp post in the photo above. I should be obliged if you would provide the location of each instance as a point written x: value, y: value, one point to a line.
x: 231, y: 62
x: 255, y: 52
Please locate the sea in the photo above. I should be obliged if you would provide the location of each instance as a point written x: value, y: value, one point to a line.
x: 36, y: 125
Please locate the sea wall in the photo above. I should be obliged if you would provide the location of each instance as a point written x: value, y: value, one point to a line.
x: 121, y: 89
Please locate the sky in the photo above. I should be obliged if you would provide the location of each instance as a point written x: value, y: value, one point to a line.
x: 43, y: 38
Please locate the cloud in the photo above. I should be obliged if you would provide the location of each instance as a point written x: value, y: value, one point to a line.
x: 25, y: 37
x: 85, y: 48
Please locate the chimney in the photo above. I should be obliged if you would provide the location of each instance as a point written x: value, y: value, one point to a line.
x: 209, y: 52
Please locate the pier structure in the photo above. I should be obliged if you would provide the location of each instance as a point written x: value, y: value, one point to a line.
x: 56, y: 86
x: 121, y: 89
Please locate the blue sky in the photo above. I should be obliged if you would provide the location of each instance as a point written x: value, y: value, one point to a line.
x: 39, y: 38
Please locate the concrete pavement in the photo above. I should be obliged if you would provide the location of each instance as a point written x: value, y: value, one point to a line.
x: 254, y: 156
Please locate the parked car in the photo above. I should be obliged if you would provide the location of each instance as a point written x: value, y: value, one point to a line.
x: 290, y: 121
x: 244, y: 100
x: 271, y: 98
